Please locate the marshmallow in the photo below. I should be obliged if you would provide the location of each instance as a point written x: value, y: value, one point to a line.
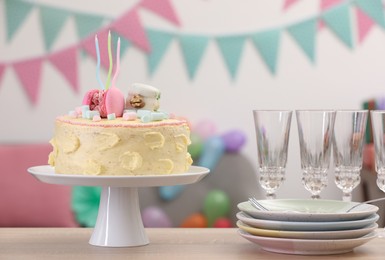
x: 111, y: 116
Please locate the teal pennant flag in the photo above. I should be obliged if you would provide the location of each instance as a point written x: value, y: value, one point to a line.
x: 374, y: 9
x: 52, y: 20
x: 87, y: 24
x: 159, y: 42
x: 231, y: 48
x: 267, y: 43
x: 304, y: 33
x: 16, y: 12
x: 124, y: 43
x: 338, y: 20
x: 193, y: 48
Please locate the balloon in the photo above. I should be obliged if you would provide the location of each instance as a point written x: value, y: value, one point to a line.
x: 234, y: 140
x: 213, y: 149
x: 196, y: 146
x: 155, y: 217
x: 216, y: 205
x: 222, y: 223
x: 205, y: 129
x: 196, y: 220
x: 170, y: 192
x: 85, y: 204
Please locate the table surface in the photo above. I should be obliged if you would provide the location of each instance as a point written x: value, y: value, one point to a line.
x: 165, y: 243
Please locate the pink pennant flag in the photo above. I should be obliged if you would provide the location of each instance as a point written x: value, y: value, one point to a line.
x: 2, y: 69
x: 130, y: 27
x: 364, y: 24
x: 326, y: 4
x: 89, y: 46
x: 288, y: 3
x: 165, y: 9
x: 67, y: 63
x: 29, y: 73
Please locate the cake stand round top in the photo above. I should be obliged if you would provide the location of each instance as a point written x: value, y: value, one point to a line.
x: 46, y: 173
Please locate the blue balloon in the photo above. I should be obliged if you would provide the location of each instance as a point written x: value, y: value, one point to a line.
x: 213, y: 150
x: 170, y: 192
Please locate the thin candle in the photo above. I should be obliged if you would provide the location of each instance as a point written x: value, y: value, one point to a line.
x: 98, y: 63
x: 110, y: 58
x: 117, y: 63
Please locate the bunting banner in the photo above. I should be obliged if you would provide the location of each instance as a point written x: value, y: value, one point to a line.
x: 342, y: 18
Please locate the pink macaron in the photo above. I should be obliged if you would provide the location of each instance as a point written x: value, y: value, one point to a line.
x: 105, y: 101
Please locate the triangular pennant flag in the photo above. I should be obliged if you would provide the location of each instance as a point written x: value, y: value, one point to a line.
x: 327, y: 4
x: 130, y: 27
x: 124, y: 43
x: 163, y: 8
x: 16, y: 12
x: 193, y: 48
x: 52, y: 20
x: 364, y: 25
x: 288, y: 3
x: 87, y: 24
x: 2, y: 69
x: 338, y: 20
x: 66, y: 61
x: 374, y: 9
x: 89, y: 46
x: 304, y: 33
x: 231, y: 48
x: 159, y: 43
x: 267, y: 43
x: 29, y: 73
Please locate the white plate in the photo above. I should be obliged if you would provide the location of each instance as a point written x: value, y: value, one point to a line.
x: 306, y: 226
x: 308, y: 210
x: 46, y: 173
x: 307, y: 247
x: 339, y: 234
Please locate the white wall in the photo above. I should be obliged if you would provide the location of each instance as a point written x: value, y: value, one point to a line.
x: 341, y: 78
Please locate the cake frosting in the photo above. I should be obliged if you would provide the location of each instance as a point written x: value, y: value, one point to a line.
x: 120, y: 147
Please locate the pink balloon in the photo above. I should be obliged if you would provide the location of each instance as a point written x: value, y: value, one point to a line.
x: 205, y: 129
x: 155, y: 217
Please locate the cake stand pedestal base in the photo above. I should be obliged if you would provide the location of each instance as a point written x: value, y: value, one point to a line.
x: 119, y: 222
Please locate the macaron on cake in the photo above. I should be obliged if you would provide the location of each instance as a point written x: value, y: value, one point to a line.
x: 111, y: 135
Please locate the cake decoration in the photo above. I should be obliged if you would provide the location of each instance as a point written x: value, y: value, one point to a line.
x: 109, y: 100
x: 111, y: 135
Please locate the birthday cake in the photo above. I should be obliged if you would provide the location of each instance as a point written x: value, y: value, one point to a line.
x: 113, y: 135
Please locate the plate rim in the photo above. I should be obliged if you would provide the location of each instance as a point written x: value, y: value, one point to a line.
x: 307, y: 242
x: 307, y: 226
x: 295, y: 216
x: 274, y: 233
x: 46, y: 173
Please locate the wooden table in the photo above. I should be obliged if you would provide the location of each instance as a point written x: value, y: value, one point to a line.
x: 165, y: 243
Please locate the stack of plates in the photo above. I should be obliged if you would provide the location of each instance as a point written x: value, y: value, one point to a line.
x: 307, y: 227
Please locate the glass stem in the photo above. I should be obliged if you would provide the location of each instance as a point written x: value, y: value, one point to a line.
x: 270, y: 196
x: 315, y: 197
x: 347, y: 196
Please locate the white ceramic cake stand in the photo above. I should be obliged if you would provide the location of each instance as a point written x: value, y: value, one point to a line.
x: 119, y: 222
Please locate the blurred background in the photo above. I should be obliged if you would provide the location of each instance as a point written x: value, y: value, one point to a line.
x: 214, y: 62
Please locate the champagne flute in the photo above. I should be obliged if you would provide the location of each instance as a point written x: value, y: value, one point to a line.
x: 348, y: 141
x: 378, y: 127
x: 315, y: 130
x: 272, y: 129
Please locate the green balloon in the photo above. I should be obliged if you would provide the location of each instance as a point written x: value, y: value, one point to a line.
x: 216, y: 205
x: 85, y: 204
x: 196, y: 146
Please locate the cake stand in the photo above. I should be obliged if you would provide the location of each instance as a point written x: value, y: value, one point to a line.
x: 119, y: 222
